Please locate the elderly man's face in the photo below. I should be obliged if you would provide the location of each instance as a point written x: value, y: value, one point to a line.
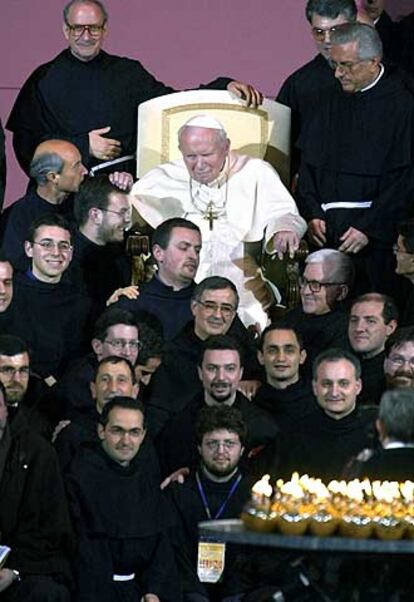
x: 6, y: 285
x: 204, y: 153
x: 399, y: 367
x: 73, y: 172
x: 14, y: 374
x: 336, y: 387
x: 178, y: 263
x: 374, y: 8
x: 321, y: 31
x: 318, y: 296
x: 214, y: 312
x: 51, y: 253
x: 353, y: 74
x: 85, y: 44
x: 367, y: 330
x: 115, y: 219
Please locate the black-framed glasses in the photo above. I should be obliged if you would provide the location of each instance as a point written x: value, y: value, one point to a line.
x: 319, y: 33
x: 49, y: 245
x: 93, y: 30
x: 314, y: 285
x: 119, y: 344
x: 211, y: 307
x: 126, y: 214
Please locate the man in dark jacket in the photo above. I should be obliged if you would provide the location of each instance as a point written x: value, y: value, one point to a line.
x: 34, y: 520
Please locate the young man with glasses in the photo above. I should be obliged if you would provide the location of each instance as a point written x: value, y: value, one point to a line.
x: 116, y: 333
x: 52, y: 313
x: 100, y: 265
x: 321, y: 319
x: 217, y: 488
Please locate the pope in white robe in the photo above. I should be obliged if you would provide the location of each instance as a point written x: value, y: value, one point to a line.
x: 234, y: 199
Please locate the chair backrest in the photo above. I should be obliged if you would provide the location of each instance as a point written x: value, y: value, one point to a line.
x: 263, y: 132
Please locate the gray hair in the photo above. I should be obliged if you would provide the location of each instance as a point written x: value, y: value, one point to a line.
x: 332, y: 9
x: 43, y: 164
x: 369, y: 42
x: 214, y: 283
x: 337, y: 266
x: 396, y: 413
x: 98, y: 3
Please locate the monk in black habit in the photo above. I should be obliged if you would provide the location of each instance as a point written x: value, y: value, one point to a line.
x: 322, y: 444
x: 34, y: 519
x: 314, y: 77
x: 87, y: 96
x: 219, y: 371
x: 120, y: 515
x: 356, y: 175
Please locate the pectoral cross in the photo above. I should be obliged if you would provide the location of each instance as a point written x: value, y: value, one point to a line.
x: 211, y: 215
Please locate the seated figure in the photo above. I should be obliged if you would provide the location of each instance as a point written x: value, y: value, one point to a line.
x: 238, y: 202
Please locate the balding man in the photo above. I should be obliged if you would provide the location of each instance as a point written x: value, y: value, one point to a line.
x: 58, y: 171
x: 88, y: 96
x: 355, y: 179
x: 239, y: 204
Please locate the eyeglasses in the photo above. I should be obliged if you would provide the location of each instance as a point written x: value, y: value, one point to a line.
x: 119, y: 344
x: 49, y: 245
x: 400, y: 361
x: 210, y: 307
x: 314, y: 285
x: 10, y: 372
x: 319, y: 33
x: 93, y: 30
x: 346, y: 66
x: 118, y: 431
x: 215, y: 444
x: 124, y: 213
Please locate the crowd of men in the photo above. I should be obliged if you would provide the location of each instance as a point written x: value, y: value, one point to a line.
x: 130, y: 414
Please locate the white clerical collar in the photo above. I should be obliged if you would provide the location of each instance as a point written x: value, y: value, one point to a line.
x: 376, y: 80
x: 397, y: 445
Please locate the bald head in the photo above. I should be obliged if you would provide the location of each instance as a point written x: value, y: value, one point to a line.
x: 57, y: 167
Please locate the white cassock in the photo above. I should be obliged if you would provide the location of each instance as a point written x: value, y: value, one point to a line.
x: 249, y: 204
